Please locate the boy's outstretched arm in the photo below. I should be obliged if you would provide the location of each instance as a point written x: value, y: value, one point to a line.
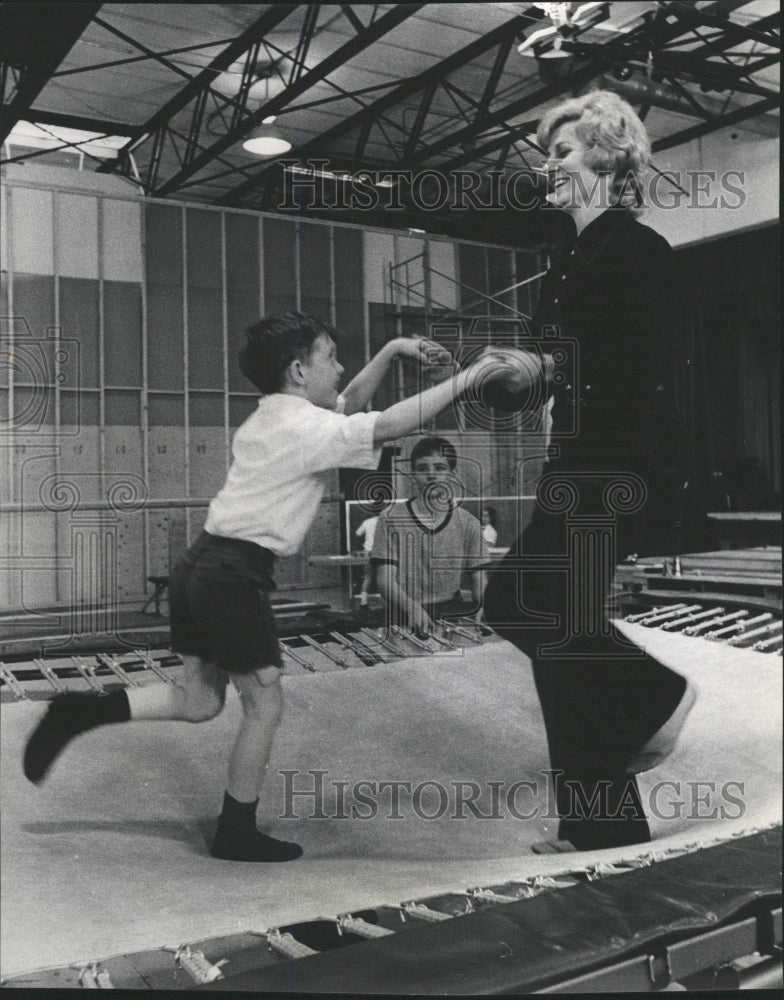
x: 361, y: 388
x: 410, y: 414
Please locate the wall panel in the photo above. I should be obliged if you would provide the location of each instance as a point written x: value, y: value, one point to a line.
x: 122, y: 309
x: 443, y: 284
x: 279, y: 260
x: 122, y: 240
x: 315, y: 263
x: 32, y: 230
x: 349, y: 295
x: 164, y: 272
x: 175, y: 285
x: 77, y: 236
x: 79, y: 322
x: 243, y: 288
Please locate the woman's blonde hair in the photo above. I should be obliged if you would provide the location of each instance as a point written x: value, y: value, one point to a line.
x: 616, y: 138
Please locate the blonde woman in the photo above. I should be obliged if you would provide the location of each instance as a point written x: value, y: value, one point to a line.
x: 610, y: 712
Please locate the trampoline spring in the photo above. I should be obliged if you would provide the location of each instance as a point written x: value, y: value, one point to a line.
x: 93, y: 977
x: 356, y: 925
x: 86, y: 670
x: 756, y: 633
x: 645, y: 614
x: 321, y: 647
x: 602, y: 869
x: 678, y: 610
x: 720, y: 620
x: 765, y: 644
x: 421, y: 912
x: 112, y: 663
x: 150, y: 663
x: 548, y: 882
x: 287, y: 945
x: 13, y: 684
x: 459, y: 630
x: 410, y: 637
x: 196, y: 964
x: 442, y: 640
x: 48, y: 674
x: 669, y: 626
x: 720, y: 633
x: 297, y: 658
x: 377, y: 639
x: 488, y: 896
x: 357, y: 648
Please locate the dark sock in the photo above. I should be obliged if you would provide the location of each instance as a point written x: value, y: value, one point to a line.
x: 237, y: 838
x: 67, y: 716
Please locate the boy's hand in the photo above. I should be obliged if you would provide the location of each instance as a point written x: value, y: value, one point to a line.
x: 419, y: 622
x: 427, y: 352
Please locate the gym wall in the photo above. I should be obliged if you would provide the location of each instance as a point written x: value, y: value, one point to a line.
x: 120, y: 322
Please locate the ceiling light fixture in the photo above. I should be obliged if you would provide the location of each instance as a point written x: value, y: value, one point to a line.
x: 265, y: 140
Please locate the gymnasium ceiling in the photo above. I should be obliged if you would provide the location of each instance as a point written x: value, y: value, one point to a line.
x: 171, y: 90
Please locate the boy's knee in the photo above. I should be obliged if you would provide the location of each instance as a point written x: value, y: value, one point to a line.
x: 261, y: 692
x: 205, y: 704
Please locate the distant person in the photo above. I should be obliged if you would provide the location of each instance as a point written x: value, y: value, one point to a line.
x: 423, y: 547
x: 489, y: 522
x: 366, y: 531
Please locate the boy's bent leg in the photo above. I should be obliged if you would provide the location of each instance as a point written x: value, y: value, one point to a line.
x: 237, y: 838
x: 199, y: 696
x: 67, y: 716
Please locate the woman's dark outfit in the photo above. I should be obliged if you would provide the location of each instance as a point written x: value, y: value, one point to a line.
x: 608, y: 290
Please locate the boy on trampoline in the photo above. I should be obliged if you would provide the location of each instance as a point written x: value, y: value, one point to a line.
x: 221, y: 620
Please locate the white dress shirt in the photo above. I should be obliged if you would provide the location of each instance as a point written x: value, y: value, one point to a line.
x: 282, y: 457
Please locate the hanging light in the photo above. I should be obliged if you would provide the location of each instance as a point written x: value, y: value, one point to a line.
x: 266, y: 141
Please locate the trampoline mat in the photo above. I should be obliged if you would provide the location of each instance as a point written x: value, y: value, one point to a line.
x: 399, y: 781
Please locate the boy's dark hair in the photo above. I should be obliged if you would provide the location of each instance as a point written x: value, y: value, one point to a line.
x: 434, y: 446
x: 274, y: 342
x: 492, y: 515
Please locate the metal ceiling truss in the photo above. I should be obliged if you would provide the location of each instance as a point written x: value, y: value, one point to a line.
x: 487, y: 130
x: 691, y: 50
x: 149, y: 138
x: 424, y: 85
x: 208, y: 111
x: 35, y: 40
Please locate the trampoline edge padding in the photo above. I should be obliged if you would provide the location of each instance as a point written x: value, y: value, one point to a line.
x: 555, y: 936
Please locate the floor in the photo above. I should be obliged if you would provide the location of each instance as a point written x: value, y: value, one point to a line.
x: 109, y: 854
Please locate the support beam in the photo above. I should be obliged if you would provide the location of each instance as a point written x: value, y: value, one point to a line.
x: 364, y: 119
x: 36, y: 37
x: 690, y: 14
x: 268, y: 21
x: 380, y: 27
x: 100, y: 125
x: 721, y: 121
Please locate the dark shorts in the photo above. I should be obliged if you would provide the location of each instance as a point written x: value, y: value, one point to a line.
x: 219, y: 604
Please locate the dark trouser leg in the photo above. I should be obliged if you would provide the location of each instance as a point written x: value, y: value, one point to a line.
x: 599, y: 711
x: 598, y: 803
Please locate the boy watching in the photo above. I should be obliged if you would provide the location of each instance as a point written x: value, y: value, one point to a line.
x: 422, y: 547
x: 221, y: 621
